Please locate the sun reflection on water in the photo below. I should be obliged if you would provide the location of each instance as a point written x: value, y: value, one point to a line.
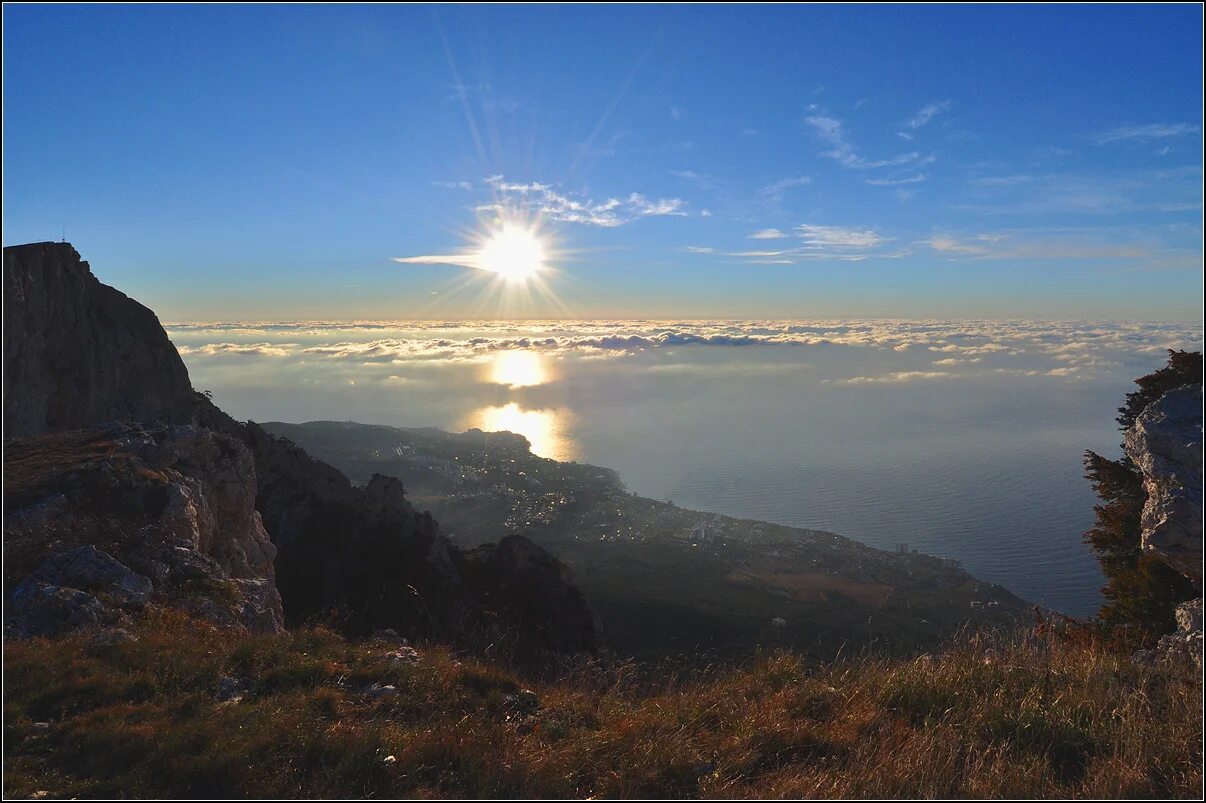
x: 518, y: 369
x: 544, y: 429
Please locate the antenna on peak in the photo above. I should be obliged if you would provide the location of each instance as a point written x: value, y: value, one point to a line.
x: 64, y: 234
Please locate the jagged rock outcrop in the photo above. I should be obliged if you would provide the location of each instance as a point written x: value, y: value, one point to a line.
x: 361, y: 557
x: 1165, y: 444
x: 78, y: 353
x: 99, y: 523
x: 529, y: 597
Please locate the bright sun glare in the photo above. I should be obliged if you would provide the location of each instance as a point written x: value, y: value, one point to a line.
x: 513, y: 252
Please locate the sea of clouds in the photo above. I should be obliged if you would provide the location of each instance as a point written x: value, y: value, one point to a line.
x: 935, y: 350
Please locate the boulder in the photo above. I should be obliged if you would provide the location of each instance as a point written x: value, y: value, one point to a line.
x: 39, y: 609
x: 89, y: 569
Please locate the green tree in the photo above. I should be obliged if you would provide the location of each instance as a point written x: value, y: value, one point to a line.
x: 1141, y: 591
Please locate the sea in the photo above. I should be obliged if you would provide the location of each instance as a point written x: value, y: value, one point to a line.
x: 961, y: 439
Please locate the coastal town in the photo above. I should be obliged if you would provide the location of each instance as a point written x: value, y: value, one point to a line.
x: 710, y: 577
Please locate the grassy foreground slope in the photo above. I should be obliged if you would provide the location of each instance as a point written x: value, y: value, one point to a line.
x: 189, y: 710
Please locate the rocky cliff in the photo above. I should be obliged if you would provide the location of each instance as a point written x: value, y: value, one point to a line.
x: 78, y: 352
x: 80, y: 355
x: 1165, y: 444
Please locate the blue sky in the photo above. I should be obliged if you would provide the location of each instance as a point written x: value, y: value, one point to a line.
x: 237, y: 162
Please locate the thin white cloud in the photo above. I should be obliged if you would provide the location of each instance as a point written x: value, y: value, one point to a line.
x: 946, y: 244
x: 767, y: 234
x: 1145, y: 133
x: 897, y: 378
x: 830, y: 131
x: 242, y: 349
x: 839, y: 237
x: 645, y: 207
x: 927, y: 113
x: 1037, y: 248
x: 545, y: 201
x: 916, y: 178
x: 776, y: 190
x: 461, y: 260
x: 760, y: 254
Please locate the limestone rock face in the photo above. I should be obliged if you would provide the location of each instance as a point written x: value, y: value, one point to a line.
x: 99, y: 523
x: 78, y: 352
x: 1165, y: 443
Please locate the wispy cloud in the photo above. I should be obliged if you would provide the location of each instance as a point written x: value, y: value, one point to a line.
x: 465, y: 260
x: 839, y: 237
x: 1101, y: 193
x: 704, y: 181
x: 897, y: 378
x: 776, y: 190
x: 916, y: 178
x: 927, y: 113
x: 545, y: 201
x: 978, y: 245
x: 1145, y: 133
x: 816, y: 242
x: 830, y: 130
x: 1009, y: 246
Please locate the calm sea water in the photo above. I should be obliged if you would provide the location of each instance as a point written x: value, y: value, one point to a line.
x: 961, y: 439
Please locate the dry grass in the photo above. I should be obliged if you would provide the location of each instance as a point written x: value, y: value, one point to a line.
x: 1032, y: 717
x: 33, y: 464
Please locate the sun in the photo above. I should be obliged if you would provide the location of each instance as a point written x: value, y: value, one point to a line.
x: 514, y: 252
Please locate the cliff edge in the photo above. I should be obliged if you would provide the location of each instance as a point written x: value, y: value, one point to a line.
x: 78, y: 353
x: 81, y: 357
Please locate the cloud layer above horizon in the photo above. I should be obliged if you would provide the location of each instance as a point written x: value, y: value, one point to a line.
x: 911, y: 351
